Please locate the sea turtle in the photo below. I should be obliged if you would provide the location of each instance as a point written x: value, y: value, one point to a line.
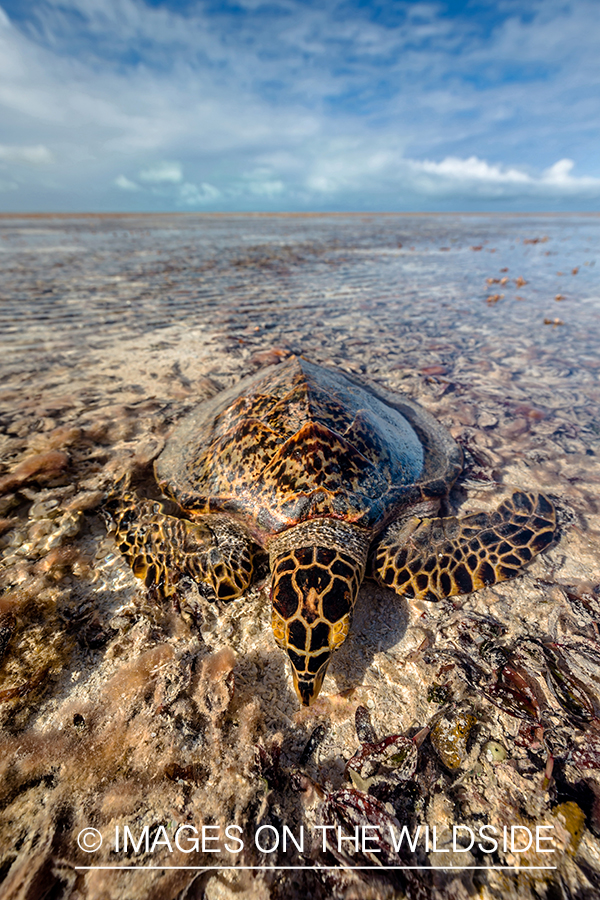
x: 332, y: 477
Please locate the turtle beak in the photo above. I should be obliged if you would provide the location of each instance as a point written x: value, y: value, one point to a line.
x: 307, y: 685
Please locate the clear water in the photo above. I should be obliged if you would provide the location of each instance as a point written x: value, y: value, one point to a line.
x: 113, y: 327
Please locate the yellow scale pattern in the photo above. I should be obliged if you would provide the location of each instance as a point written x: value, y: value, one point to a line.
x: 314, y: 592
x: 280, y: 447
x: 434, y: 558
x: 161, y: 549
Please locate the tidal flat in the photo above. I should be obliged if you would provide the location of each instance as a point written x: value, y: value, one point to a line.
x: 117, y: 711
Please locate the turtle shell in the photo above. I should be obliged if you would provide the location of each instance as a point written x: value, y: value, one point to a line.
x: 300, y: 441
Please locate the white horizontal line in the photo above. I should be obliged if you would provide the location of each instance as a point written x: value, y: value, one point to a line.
x: 313, y: 868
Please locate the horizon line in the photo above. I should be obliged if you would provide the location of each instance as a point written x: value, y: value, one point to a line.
x: 307, y: 214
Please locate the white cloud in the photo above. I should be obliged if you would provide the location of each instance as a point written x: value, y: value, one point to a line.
x: 560, y: 172
x: 559, y: 176
x: 163, y: 173
x: 453, y: 174
x: 266, y: 188
x: 259, y: 183
x: 346, y: 169
x: 472, y: 169
x: 193, y: 195
x: 126, y: 184
x: 35, y: 156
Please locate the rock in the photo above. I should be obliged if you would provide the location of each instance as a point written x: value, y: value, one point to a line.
x: 42, y: 467
x: 574, y: 821
x: 494, y: 752
x: 389, y: 761
x: 449, y: 737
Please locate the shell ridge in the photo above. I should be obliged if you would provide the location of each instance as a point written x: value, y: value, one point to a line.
x: 311, y: 456
x: 302, y: 441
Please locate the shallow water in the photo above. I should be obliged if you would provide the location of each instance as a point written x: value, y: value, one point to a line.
x: 113, y: 327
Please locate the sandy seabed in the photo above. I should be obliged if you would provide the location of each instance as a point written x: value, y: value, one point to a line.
x: 118, y: 713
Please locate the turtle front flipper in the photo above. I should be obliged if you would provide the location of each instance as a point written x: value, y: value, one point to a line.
x: 433, y: 558
x: 213, y: 551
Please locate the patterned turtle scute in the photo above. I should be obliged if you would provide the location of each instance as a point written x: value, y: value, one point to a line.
x: 300, y: 444
x: 329, y: 475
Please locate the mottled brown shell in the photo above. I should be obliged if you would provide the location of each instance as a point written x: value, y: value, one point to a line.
x: 300, y: 441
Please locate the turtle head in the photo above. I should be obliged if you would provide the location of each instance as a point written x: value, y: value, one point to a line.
x: 313, y: 594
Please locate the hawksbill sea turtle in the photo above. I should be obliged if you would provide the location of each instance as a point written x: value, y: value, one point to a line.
x: 332, y: 477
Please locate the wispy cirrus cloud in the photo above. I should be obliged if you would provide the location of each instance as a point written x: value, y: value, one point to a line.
x: 299, y: 105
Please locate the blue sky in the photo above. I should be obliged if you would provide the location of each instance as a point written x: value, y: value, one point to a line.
x: 299, y: 105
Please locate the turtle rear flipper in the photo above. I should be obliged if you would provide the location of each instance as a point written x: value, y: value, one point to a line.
x: 433, y: 558
x: 161, y: 549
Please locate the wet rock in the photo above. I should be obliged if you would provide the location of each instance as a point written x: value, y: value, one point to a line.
x: 147, y: 451
x: 8, y: 624
x: 516, y: 692
x: 586, y: 753
x: 434, y: 370
x: 270, y: 357
x: 573, y: 818
x: 48, y: 534
x: 45, y: 507
x: 6, y: 525
x: 62, y: 559
x: 449, y: 737
x: 353, y: 810
x: 166, y: 737
x: 42, y: 468
x: 389, y: 761
x: 312, y: 744
x: 7, y: 503
x: 494, y: 752
x: 570, y: 693
x: 84, y: 501
x: 487, y: 420
x: 56, y: 439
x: 364, y: 730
